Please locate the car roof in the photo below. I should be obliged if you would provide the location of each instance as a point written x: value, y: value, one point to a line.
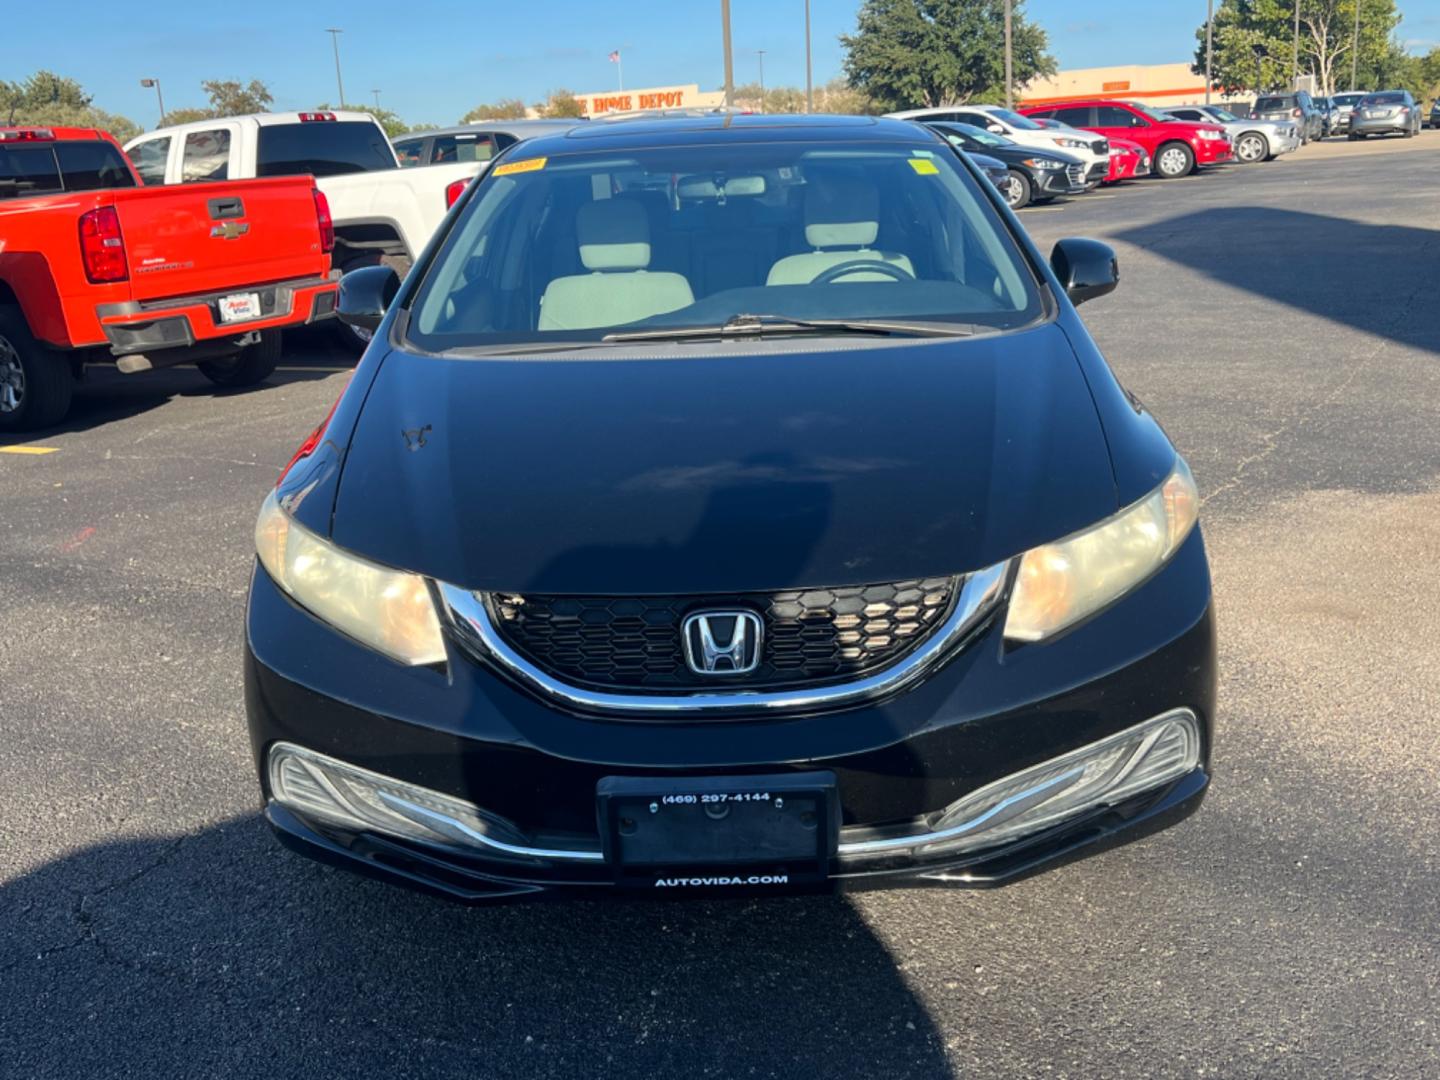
x: 526, y: 128
x: 644, y: 133
x: 60, y: 134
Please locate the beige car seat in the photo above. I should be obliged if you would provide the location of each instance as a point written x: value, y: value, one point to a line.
x: 614, y: 241
x: 842, y: 220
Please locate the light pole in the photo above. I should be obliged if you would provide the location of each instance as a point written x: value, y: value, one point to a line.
x: 1009, y: 60
x: 1355, y: 51
x: 760, y: 54
x: 377, y: 98
x: 335, y: 41
x: 729, y: 58
x: 809, y: 81
x: 1295, y: 51
x: 147, y: 83
x: 1209, y: 46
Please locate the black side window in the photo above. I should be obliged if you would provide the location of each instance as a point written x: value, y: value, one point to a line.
x: 1112, y: 116
x: 28, y: 170
x: 92, y: 166
x: 1075, y: 117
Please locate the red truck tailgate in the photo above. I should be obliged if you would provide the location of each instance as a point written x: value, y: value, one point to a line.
x: 197, y: 238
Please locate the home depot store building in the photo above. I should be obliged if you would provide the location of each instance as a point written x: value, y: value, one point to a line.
x: 1160, y: 85
x: 655, y: 97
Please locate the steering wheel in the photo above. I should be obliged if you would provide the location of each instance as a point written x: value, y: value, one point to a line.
x: 855, y: 266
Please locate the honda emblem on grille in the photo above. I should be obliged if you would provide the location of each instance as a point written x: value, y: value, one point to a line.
x: 722, y: 642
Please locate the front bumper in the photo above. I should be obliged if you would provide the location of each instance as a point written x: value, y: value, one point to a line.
x: 989, y: 712
x: 1051, y: 183
x: 149, y: 327
x: 1214, y: 151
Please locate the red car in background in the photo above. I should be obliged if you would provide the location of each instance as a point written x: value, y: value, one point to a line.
x: 1176, y: 147
x: 1127, y: 159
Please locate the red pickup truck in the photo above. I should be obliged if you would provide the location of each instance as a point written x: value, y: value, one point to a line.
x: 94, y: 266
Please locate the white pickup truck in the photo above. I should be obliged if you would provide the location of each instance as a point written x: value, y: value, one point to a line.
x: 381, y: 212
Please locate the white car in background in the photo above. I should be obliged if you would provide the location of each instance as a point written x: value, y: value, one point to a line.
x: 381, y: 212
x: 1092, y: 149
x: 1254, y: 140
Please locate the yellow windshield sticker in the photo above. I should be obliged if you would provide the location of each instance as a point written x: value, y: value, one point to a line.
x: 533, y: 164
x: 924, y: 166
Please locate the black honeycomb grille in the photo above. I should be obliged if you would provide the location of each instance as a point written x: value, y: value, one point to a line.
x: 812, y: 637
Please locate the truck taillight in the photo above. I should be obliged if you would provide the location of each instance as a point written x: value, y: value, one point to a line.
x: 454, y: 191
x: 327, y: 223
x: 313, y: 117
x: 102, y: 248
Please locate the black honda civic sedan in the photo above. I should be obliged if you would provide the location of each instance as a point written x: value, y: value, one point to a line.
x: 728, y: 504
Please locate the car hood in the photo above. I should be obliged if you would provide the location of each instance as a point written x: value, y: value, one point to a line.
x: 690, y: 469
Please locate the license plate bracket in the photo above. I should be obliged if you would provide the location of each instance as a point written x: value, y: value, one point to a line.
x: 777, y: 829
x: 239, y: 307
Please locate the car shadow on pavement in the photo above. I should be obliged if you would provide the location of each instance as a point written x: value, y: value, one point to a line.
x: 1375, y: 278
x: 220, y: 953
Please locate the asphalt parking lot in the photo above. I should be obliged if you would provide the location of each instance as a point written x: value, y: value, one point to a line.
x: 1278, y: 318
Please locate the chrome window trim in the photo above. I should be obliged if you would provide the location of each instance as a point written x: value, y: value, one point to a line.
x: 979, y: 596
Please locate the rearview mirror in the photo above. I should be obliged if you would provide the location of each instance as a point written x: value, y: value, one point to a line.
x: 365, y: 295
x: 1086, y: 269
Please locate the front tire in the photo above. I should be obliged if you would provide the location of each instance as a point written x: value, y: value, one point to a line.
x: 1174, y: 160
x: 35, y: 382
x: 251, y: 365
x: 1251, y: 148
x: 1018, y: 191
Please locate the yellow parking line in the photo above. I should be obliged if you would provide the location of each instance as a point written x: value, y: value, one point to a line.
x: 28, y: 449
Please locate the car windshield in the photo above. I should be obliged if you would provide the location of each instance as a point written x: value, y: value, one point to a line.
x: 979, y: 135
x: 1346, y: 99
x: 1224, y: 116
x: 1153, y: 114
x: 572, y: 247
x: 1015, y: 120
x: 1382, y: 99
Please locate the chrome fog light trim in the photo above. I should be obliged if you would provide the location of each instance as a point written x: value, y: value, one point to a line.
x: 328, y: 790
x: 1104, y: 773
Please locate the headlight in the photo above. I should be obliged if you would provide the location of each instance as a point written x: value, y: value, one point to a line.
x: 1073, y: 144
x: 1044, y: 163
x: 1211, y: 135
x: 1061, y: 583
x: 389, y: 610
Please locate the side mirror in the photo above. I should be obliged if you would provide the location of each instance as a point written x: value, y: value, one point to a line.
x: 995, y: 129
x: 365, y: 294
x: 1086, y: 269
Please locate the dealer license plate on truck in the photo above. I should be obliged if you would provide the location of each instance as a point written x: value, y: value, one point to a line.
x: 238, y: 307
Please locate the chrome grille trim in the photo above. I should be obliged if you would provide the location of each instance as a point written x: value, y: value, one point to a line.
x: 979, y: 596
x: 1075, y: 174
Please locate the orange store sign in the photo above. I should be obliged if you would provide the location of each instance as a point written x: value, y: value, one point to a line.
x: 626, y: 101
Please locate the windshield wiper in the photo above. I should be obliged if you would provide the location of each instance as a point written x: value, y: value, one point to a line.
x: 757, y: 326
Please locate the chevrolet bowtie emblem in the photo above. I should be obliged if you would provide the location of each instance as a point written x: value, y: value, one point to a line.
x: 229, y: 230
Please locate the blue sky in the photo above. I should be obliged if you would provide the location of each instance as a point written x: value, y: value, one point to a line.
x: 432, y: 60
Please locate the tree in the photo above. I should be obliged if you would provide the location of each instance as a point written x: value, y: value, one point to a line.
x: 908, y: 53
x: 1326, y: 42
x: 504, y: 109
x: 46, y: 98
x: 560, y: 105
x: 777, y: 99
x: 838, y: 96
x: 232, y: 99
x: 186, y: 116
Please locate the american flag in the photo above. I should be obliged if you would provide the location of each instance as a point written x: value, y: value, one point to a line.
x: 615, y: 57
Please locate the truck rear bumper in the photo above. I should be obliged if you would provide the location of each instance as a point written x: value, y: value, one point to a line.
x: 152, y: 327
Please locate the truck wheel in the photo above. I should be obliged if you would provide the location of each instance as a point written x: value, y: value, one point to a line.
x: 252, y: 364
x: 35, y: 383
x: 1174, y: 160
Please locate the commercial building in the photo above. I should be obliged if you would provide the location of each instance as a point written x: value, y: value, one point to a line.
x: 1161, y: 85
x: 689, y: 96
